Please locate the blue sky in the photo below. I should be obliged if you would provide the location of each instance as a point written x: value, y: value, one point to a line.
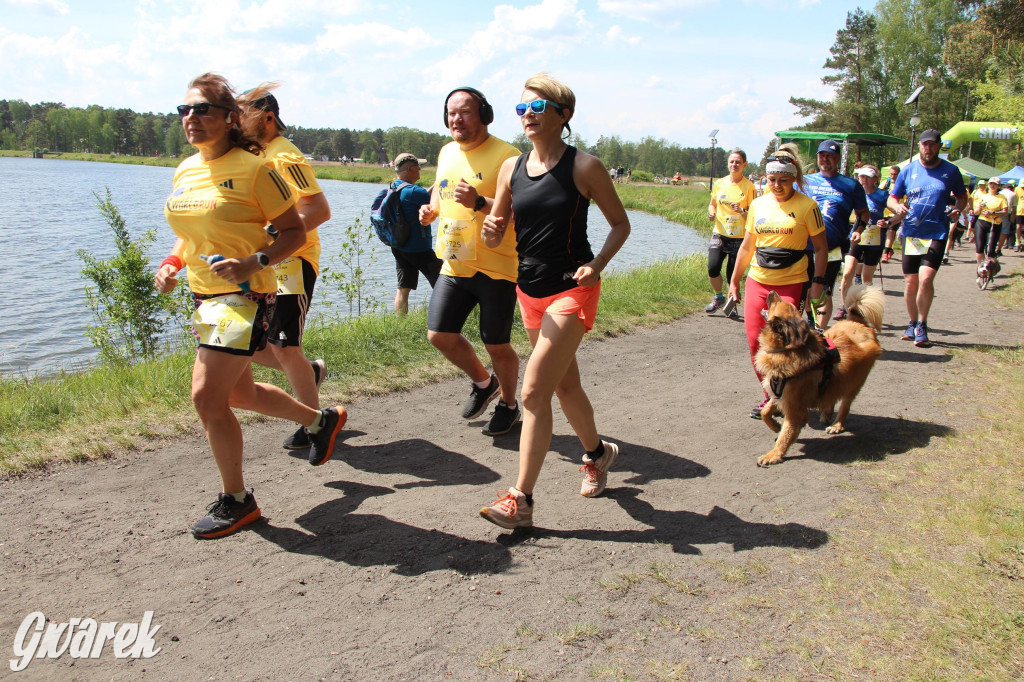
x: 672, y: 69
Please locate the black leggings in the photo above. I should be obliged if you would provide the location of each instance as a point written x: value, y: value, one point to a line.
x: 986, y: 232
x: 719, y: 248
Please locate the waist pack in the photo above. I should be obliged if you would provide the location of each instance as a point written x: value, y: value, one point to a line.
x: 777, y: 258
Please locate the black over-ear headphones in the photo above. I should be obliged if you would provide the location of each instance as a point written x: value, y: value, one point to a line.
x: 486, y: 110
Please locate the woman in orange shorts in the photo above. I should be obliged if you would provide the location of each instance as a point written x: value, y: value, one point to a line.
x: 548, y: 190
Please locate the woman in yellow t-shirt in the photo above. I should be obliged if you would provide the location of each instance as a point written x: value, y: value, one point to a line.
x: 223, y: 196
x: 778, y: 228
x: 730, y: 201
x: 990, y: 209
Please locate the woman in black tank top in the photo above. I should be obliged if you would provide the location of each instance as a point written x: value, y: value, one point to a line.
x: 549, y: 190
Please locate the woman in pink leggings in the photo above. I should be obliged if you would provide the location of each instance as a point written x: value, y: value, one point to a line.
x: 782, y: 226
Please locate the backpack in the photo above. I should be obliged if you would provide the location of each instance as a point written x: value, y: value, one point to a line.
x: 387, y: 217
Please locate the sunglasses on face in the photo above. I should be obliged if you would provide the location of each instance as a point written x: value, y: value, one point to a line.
x: 200, y: 108
x: 537, y: 106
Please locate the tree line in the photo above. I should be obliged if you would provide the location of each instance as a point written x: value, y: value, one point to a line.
x: 968, y: 55
x: 52, y: 126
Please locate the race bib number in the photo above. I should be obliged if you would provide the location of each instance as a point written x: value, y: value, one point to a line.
x: 871, y: 236
x: 917, y: 247
x: 289, y: 277
x: 835, y: 254
x: 456, y: 240
x: 225, y: 321
x: 733, y: 226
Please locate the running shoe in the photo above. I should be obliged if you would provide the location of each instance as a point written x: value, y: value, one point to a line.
x: 480, y: 398
x: 300, y: 439
x: 921, y: 336
x: 595, y: 473
x: 716, y: 303
x: 733, y: 313
x: 322, y: 442
x: 756, y: 412
x: 226, y: 515
x: 945, y: 260
x: 503, y: 419
x: 840, y: 314
x: 319, y: 371
x: 510, y: 510
x: 911, y: 331
x: 886, y: 255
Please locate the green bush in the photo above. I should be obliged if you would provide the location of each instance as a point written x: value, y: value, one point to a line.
x: 643, y: 176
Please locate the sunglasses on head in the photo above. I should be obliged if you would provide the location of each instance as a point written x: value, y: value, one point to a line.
x: 537, y: 106
x: 200, y: 108
x: 781, y: 159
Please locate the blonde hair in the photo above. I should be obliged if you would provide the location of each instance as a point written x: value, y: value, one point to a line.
x: 550, y: 89
x: 251, y: 117
x: 790, y: 149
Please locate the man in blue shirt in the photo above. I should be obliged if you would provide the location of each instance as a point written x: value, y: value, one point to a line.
x: 417, y: 254
x: 926, y: 184
x: 837, y: 197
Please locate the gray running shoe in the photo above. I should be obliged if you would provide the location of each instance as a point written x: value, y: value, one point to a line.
x: 225, y: 516
x: 595, y: 474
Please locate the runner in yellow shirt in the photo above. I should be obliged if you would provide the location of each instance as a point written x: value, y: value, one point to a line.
x: 223, y: 196
x: 990, y: 208
x: 730, y: 201
x: 297, y: 274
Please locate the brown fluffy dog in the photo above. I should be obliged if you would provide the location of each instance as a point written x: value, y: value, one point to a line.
x: 793, y: 353
x: 987, y: 272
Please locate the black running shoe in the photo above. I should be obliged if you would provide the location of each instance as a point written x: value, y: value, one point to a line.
x: 322, y: 442
x: 480, y: 398
x: 226, y: 515
x: 503, y: 419
x: 298, y: 440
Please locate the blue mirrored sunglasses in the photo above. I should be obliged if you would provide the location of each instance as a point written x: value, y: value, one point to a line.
x: 537, y: 106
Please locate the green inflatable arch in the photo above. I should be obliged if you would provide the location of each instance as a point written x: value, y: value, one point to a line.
x: 977, y: 131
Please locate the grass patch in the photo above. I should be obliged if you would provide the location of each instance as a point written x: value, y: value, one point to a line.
x: 1011, y: 293
x: 931, y: 588
x: 622, y: 583
x: 682, y: 204
x: 93, y: 413
x: 577, y: 633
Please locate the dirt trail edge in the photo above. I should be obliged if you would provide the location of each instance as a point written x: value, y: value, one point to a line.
x: 377, y: 566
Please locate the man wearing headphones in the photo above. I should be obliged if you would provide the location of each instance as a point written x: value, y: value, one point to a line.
x: 473, y: 274
x: 297, y: 274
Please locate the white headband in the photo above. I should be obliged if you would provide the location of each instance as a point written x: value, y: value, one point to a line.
x: 779, y: 167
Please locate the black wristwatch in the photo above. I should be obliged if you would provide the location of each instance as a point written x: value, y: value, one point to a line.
x: 481, y: 201
x: 818, y: 280
x: 263, y: 259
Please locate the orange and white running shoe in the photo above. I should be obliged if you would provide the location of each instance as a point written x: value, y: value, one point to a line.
x: 510, y: 510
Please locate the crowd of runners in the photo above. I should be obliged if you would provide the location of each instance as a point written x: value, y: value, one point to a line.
x: 512, y: 232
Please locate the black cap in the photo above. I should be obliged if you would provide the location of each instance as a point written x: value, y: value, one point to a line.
x: 931, y: 135
x: 269, y: 103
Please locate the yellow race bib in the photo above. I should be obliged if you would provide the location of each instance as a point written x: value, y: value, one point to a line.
x: 456, y: 240
x: 734, y: 226
x: 289, y: 276
x: 917, y: 247
x: 835, y: 255
x: 225, y: 321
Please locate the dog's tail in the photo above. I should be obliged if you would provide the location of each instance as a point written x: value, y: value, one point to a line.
x: 866, y: 305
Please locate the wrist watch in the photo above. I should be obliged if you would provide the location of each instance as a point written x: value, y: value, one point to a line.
x: 481, y: 201
x: 817, y: 280
x: 263, y: 259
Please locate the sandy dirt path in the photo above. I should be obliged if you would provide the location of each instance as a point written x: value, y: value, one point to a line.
x: 377, y: 566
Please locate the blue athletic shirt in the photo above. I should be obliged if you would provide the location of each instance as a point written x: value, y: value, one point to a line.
x: 876, y: 204
x: 927, y: 191
x: 837, y: 197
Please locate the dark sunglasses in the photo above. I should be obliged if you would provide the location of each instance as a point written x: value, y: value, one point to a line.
x: 780, y: 159
x: 200, y: 108
x: 537, y: 106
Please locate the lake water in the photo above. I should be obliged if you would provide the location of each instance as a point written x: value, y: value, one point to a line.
x: 50, y: 213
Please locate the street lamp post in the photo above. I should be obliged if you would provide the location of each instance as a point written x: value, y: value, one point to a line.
x: 915, y: 120
x: 711, y: 167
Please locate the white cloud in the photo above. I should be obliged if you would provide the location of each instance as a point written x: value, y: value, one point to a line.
x: 615, y: 35
x: 651, y: 10
x: 274, y: 13
x: 653, y: 81
x: 42, y: 6
x: 373, y: 37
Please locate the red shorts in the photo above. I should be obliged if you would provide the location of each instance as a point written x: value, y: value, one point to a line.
x: 581, y: 301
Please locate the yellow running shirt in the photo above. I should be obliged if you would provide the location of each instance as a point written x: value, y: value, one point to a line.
x: 458, y: 236
x: 221, y: 207
x: 1020, y: 200
x: 294, y: 168
x: 728, y: 222
x: 786, y: 225
x: 990, y: 207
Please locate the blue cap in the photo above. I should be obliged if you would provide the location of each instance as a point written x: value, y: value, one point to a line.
x: 830, y: 146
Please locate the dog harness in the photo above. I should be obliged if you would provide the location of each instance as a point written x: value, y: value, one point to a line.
x: 777, y: 385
